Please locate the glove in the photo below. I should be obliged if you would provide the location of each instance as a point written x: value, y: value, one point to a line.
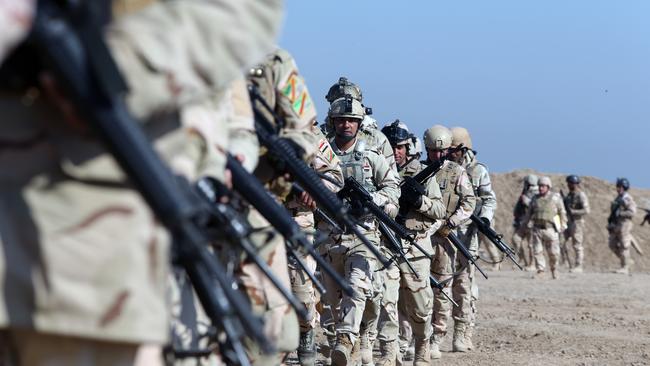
x: 357, y: 209
x: 411, y: 193
x: 445, y: 230
x: 485, y: 221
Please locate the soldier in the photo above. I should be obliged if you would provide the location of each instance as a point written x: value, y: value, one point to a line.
x: 620, y: 224
x: 412, y: 289
x: 486, y: 205
x: 577, y: 205
x: 368, y: 132
x: 86, y: 261
x: 522, y: 232
x: 281, y: 85
x: 458, y: 197
x: 547, y: 217
x: 346, y: 254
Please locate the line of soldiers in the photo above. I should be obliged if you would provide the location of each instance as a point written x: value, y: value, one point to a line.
x: 553, y: 220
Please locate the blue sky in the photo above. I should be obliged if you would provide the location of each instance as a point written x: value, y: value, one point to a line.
x: 557, y: 86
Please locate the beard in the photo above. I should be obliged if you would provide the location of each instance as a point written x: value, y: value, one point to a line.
x: 345, y: 138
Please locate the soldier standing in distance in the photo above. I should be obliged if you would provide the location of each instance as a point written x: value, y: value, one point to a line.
x: 548, y: 219
x: 577, y: 205
x: 345, y: 252
x: 620, y: 224
x: 458, y: 197
x: 522, y: 232
x: 486, y: 205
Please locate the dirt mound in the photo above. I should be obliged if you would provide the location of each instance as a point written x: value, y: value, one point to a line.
x: 598, y: 257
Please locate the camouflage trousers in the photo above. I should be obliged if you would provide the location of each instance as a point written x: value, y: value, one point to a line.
x: 620, y: 240
x: 495, y: 254
x: 546, y: 238
x: 413, y: 297
x: 447, y: 261
x: 523, y: 250
x: 280, y: 320
x: 303, y: 288
x: 31, y: 348
x: 575, y: 235
x: 352, y: 260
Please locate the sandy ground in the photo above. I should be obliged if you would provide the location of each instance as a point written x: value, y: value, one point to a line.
x: 586, y: 319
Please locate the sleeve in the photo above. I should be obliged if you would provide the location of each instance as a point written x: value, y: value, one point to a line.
x: 628, y: 209
x: 561, y: 211
x: 467, y: 201
x: 529, y: 213
x: 15, y: 22
x: 486, y: 195
x: 386, y: 181
x: 432, y: 205
x: 327, y: 163
x: 173, y: 52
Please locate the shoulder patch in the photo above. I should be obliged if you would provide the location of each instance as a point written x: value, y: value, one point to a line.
x: 296, y: 91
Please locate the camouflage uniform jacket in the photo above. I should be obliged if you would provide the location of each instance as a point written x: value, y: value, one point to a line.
x: 578, y: 203
x: 623, y: 207
x: 486, y: 203
x: 457, y: 193
x: 523, y: 204
x: 377, y: 174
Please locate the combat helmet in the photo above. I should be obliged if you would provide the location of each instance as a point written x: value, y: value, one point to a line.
x: 415, y: 147
x: 573, y: 179
x: 623, y: 182
x: 531, y: 180
x: 460, y: 136
x: 346, y: 107
x: 397, y: 133
x: 545, y: 181
x: 342, y: 88
x: 437, y: 137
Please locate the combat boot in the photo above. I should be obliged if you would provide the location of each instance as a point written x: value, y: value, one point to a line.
x: 555, y: 274
x: 366, y: 350
x: 468, y: 337
x: 623, y: 270
x: 529, y: 268
x: 576, y: 269
x: 422, y: 356
x: 459, y: 337
x: 434, y: 350
x: 306, y: 349
x: 388, y: 353
x: 326, y: 349
x: 342, y: 351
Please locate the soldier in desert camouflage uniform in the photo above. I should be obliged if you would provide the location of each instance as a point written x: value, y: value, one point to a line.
x: 522, y: 233
x: 547, y: 218
x: 486, y: 205
x: 623, y: 209
x: 578, y: 207
x: 87, y: 262
x: 458, y: 197
x: 345, y: 252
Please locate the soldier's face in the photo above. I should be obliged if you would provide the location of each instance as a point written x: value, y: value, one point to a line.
x: 435, y: 155
x: 620, y: 189
x: 543, y: 189
x: 572, y: 186
x: 456, y: 155
x: 400, y: 154
x: 346, y: 127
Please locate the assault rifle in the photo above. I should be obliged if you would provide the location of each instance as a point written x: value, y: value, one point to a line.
x: 67, y: 40
x: 416, y: 183
x: 254, y: 193
x: 646, y: 218
x: 283, y: 150
x: 495, y: 238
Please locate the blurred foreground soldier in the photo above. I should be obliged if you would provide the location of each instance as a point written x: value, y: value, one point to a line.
x: 86, y: 262
x: 412, y: 289
x: 458, y: 197
x: 345, y: 252
x: 522, y: 232
x: 619, y: 224
x: 548, y: 219
x: 486, y: 205
x: 577, y: 207
x: 281, y: 85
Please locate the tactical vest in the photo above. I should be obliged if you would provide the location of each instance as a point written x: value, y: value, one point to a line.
x: 354, y: 164
x: 575, y: 202
x: 415, y: 220
x: 544, y: 210
x: 447, y: 178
